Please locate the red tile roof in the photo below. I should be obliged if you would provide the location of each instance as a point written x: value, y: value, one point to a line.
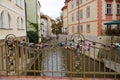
x: 64, y: 7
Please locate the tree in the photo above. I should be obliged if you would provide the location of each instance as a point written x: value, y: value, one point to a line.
x: 57, y: 25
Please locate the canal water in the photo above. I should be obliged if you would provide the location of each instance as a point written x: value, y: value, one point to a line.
x: 58, y: 62
x: 53, y: 62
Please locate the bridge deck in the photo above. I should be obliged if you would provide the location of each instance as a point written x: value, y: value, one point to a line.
x: 44, y: 78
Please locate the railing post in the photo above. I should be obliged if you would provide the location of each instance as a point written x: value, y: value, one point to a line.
x: 71, y: 65
x: 10, y: 47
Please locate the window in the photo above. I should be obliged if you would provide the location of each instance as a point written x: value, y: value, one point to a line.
x: 5, y: 20
x: 81, y: 29
x: 118, y: 8
x: 9, y: 21
x: 81, y: 14
x: 72, y: 16
x: 21, y: 23
x: 21, y: 3
x: 78, y: 28
x: 18, y: 23
x: 88, y: 28
x: 77, y: 16
x: 2, y: 19
x: 108, y: 8
x: 72, y: 29
x: 88, y: 12
x: 80, y: 1
x: 77, y: 2
x: 72, y: 4
x: 16, y: 1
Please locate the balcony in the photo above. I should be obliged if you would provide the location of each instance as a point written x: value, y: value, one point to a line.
x: 117, y: 0
x: 112, y: 28
x: 112, y: 32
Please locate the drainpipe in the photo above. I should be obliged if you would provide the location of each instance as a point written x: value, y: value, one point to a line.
x: 25, y: 7
x: 78, y: 17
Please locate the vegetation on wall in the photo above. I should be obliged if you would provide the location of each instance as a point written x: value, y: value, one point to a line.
x: 34, y: 35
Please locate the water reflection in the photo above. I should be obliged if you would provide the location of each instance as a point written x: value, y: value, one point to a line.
x: 56, y: 60
x: 53, y: 62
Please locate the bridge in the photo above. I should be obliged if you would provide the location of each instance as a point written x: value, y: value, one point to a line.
x: 77, y: 59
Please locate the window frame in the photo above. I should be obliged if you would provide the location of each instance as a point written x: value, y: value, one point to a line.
x: 22, y: 22
x: 72, y: 29
x: 2, y: 19
x: 77, y: 15
x: 81, y: 14
x: 9, y: 21
x: 88, y: 28
x: 77, y: 2
x: 108, y: 8
x: 18, y: 22
x: 72, y: 17
x: 118, y: 9
x: 80, y: 1
x: 72, y: 4
x: 88, y: 12
x: 81, y: 29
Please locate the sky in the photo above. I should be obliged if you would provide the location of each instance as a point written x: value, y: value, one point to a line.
x: 51, y: 8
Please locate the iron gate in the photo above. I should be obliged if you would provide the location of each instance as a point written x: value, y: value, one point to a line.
x: 77, y: 57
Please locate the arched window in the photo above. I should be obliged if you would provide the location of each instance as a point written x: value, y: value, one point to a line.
x: 9, y: 20
x: 2, y: 19
x: 21, y: 23
x: 16, y: 1
x: 20, y: 3
x: 18, y: 22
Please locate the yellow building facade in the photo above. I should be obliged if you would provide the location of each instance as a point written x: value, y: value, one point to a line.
x: 12, y: 18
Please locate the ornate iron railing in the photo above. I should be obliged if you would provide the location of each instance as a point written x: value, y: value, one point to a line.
x: 77, y: 57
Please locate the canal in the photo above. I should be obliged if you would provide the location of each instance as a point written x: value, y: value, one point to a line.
x: 60, y: 62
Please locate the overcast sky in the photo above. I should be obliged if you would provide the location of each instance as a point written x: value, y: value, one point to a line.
x: 51, y: 7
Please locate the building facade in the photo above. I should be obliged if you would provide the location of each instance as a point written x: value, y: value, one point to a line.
x: 12, y: 18
x: 46, y: 23
x: 50, y: 22
x: 33, y: 14
x: 88, y: 16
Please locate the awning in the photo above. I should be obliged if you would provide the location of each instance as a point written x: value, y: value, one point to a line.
x: 113, y: 22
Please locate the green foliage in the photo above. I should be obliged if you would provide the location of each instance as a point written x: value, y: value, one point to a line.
x: 57, y: 25
x: 33, y: 36
x: 35, y: 25
x: 43, y: 16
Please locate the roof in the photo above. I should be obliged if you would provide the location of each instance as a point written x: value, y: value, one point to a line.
x: 113, y: 22
x: 64, y: 7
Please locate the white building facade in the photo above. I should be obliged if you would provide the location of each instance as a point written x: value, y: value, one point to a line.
x: 12, y: 18
x: 46, y: 23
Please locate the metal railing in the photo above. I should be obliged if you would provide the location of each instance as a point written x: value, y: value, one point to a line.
x: 77, y: 57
